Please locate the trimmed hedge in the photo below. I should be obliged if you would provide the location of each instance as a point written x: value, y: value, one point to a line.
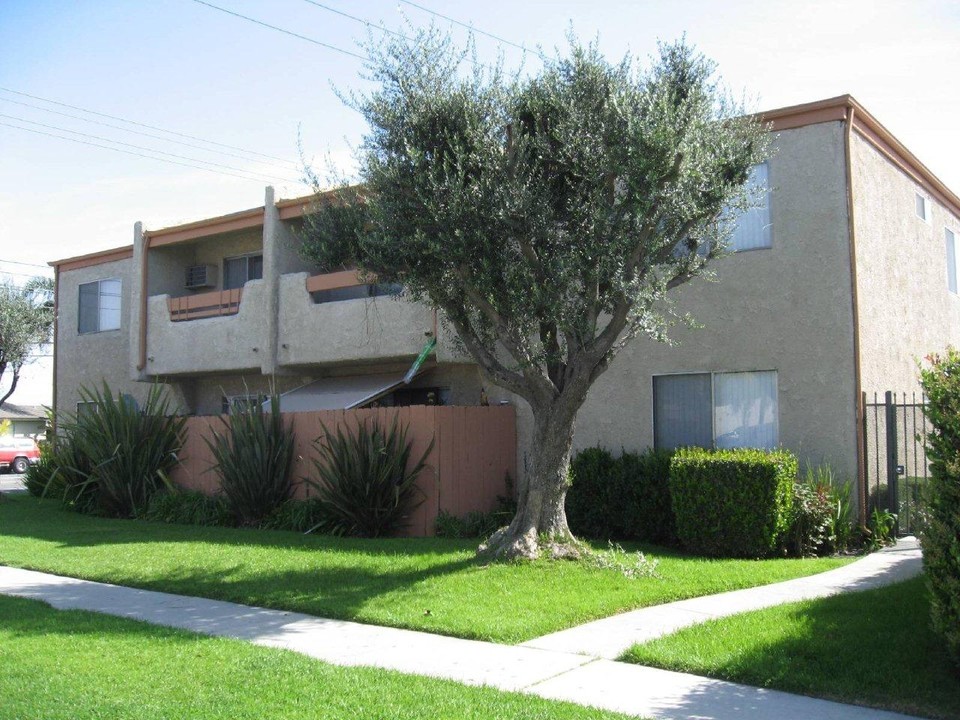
x: 732, y: 503
x: 940, y: 536
x: 624, y: 498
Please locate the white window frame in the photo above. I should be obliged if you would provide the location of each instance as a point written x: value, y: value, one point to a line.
x: 950, y: 245
x: 100, y: 308
x: 713, y: 396
x: 926, y: 206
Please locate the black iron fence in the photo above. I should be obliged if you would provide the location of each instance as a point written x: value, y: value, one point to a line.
x: 895, y: 458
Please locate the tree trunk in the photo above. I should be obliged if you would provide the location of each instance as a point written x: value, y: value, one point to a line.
x: 540, y: 524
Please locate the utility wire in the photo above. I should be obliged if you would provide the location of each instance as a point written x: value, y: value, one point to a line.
x: 144, y: 134
x: 381, y: 28
x: 147, y: 149
x: 128, y: 152
x: 140, y: 124
x: 472, y: 28
x: 280, y: 29
x: 18, y: 262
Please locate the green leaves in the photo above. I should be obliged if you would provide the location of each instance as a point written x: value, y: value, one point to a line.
x: 253, y: 452
x: 367, y: 485
x: 116, y: 454
x: 941, y: 533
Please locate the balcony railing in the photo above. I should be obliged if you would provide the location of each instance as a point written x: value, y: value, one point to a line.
x: 205, y: 305
x: 334, y: 281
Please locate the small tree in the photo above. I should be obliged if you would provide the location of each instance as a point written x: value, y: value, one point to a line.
x: 940, y: 536
x: 26, y: 322
x: 547, y: 217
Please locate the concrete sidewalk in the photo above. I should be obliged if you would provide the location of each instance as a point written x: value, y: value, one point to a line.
x: 611, y: 637
x: 549, y: 673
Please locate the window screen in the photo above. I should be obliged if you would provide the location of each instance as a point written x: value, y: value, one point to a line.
x: 682, y: 411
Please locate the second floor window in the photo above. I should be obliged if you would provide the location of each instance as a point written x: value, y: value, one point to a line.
x: 753, y: 229
x: 237, y: 270
x: 99, y: 306
x: 951, y: 241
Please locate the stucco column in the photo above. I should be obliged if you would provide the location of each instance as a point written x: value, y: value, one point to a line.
x: 137, y: 295
x: 271, y: 281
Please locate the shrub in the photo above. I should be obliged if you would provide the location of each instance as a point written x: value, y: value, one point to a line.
x: 810, y: 520
x: 476, y: 524
x: 38, y: 475
x: 366, y: 483
x: 732, y: 503
x: 253, y: 456
x: 114, y: 457
x: 625, y: 498
x: 296, y: 515
x: 189, y: 507
x: 940, y: 536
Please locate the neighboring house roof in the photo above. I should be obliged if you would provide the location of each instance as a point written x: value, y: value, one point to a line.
x: 832, y: 109
x: 9, y: 411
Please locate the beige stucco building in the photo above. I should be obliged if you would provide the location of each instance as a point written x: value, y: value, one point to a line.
x: 839, y: 284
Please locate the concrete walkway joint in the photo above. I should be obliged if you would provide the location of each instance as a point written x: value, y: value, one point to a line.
x: 574, y: 665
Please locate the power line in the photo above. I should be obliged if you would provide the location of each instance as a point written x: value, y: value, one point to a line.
x: 140, y: 124
x: 472, y: 28
x: 128, y: 152
x: 280, y: 29
x: 382, y: 29
x: 18, y: 262
x: 147, y: 149
x: 140, y: 132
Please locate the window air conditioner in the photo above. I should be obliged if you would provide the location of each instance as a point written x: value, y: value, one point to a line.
x: 201, y: 276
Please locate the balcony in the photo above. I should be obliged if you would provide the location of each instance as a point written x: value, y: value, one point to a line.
x: 220, y: 331
x: 335, y: 318
x: 210, y: 304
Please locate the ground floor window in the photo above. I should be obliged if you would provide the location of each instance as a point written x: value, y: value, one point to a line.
x: 234, y: 403
x: 724, y: 410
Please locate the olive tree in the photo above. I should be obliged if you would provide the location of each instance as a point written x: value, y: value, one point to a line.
x: 26, y: 321
x: 548, y: 216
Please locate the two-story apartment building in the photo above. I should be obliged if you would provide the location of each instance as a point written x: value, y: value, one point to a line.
x: 838, y: 284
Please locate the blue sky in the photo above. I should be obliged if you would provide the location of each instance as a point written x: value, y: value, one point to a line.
x: 182, y: 66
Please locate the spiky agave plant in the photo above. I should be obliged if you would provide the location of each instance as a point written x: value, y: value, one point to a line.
x: 366, y: 483
x: 124, y: 451
x: 252, y: 454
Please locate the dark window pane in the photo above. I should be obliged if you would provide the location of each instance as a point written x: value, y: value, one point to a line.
x: 89, y: 307
x: 255, y: 267
x: 682, y: 411
x: 234, y: 273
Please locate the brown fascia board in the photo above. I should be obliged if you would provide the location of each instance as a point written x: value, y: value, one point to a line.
x: 871, y: 130
x: 90, y: 259
x: 241, y: 220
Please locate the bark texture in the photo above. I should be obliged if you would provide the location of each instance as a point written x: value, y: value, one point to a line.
x: 539, y: 527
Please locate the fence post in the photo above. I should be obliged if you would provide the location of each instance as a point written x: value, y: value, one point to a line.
x: 891, y: 421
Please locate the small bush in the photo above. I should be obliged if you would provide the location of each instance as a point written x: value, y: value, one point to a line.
x: 253, y: 455
x: 624, y: 498
x: 189, y: 507
x: 114, y: 457
x: 810, y: 521
x: 366, y: 483
x: 940, y: 536
x: 476, y: 524
x: 38, y: 474
x: 732, y: 503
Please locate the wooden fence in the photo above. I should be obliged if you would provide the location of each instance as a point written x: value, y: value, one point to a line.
x: 475, y: 449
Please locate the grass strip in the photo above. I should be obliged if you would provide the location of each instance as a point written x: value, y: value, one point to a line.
x: 430, y: 584
x: 871, y: 648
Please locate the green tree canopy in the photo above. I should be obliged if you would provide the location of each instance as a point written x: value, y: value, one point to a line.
x: 26, y: 323
x: 547, y: 217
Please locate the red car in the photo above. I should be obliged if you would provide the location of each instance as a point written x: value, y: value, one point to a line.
x: 18, y: 454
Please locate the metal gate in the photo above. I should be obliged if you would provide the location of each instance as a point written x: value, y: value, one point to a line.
x: 895, y: 456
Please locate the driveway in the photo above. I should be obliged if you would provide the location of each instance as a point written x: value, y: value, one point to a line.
x: 11, y: 483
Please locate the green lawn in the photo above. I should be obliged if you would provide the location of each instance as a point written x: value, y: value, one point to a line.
x: 384, y: 582
x: 73, y: 665
x: 871, y: 648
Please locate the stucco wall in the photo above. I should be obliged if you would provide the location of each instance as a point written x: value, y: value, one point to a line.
x: 787, y: 308
x: 89, y: 359
x: 215, y: 344
x: 355, y: 331
x: 906, y: 310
